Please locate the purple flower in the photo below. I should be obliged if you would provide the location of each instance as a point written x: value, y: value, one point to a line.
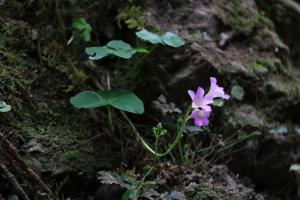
x: 200, y: 117
x: 202, y: 103
x: 199, y: 100
x: 216, y: 91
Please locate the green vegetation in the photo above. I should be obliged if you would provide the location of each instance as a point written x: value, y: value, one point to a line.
x: 85, y: 29
x: 4, y: 107
x: 261, y: 65
x: 50, y: 52
x: 242, y: 18
x: 133, y: 16
x: 120, y: 99
x: 206, y: 191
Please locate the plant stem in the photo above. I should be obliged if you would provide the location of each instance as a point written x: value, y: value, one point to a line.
x: 59, y: 18
x: 148, y: 147
x: 180, y: 150
x: 141, y: 60
x: 110, y: 120
x: 144, y: 178
x: 156, y: 147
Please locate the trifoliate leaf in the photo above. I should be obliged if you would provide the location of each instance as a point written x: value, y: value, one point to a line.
x: 13, y: 197
x: 115, y: 47
x: 88, y: 99
x: 148, y: 36
x: 120, y: 49
x: 172, y: 40
x: 123, y: 100
x: 120, y: 99
x: 96, y: 53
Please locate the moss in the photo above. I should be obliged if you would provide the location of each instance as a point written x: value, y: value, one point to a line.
x: 133, y: 16
x: 242, y: 18
x: 207, y: 191
x: 83, y: 161
x: 34, y: 80
x: 262, y: 65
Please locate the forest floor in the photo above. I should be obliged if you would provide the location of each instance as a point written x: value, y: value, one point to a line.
x: 246, y: 151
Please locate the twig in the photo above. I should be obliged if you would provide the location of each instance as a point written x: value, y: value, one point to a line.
x: 14, y: 182
x: 292, y: 4
x: 12, y: 150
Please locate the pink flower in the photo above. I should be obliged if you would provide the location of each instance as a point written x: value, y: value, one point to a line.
x: 199, y: 100
x: 200, y: 117
x: 202, y: 103
x: 216, y: 91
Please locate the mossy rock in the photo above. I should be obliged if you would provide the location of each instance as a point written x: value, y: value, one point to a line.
x: 242, y: 16
x: 208, y: 191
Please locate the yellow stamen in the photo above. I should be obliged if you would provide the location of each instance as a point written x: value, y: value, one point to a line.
x: 200, y: 114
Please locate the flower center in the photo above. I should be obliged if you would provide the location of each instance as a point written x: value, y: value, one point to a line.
x: 197, y: 103
x: 200, y: 114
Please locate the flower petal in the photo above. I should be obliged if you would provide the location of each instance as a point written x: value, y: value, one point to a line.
x: 195, y: 113
x: 199, y: 94
x: 200, y: 117
x: 192, y: 94
x: 226, y: 96
x: 205, y: 103
x: 216, y: 91
x: 213, y: 81
x: 198, y: 122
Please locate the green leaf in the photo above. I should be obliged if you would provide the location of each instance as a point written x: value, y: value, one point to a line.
x: 87, y: 99
x: 172, y: 39
x: 148, y: 36
x: 4, y: 107
x: 131, y: 194
x: 120, y: 49
x: 237, y: 92
x: 85, y: 28
x: 218, y: 102
x: 115, y: 47
x: 142, y: 50
x: 193, y: 129
x: 123, y: 100
x: 120, y: 99
x: 119, y: 45
x: 7, y: 108
x: 107, y: 178
x: 3, y: 104
x: 96, y: 53
x: 13, y: 197
x: 295, y: 168
x: 128, y: 179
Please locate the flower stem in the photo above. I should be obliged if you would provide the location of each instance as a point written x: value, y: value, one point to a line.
x: 110, y: 120
x: 148, y: 147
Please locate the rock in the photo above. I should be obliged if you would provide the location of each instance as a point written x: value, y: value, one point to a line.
x: 109, y: 192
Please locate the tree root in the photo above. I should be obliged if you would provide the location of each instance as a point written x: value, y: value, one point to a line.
x: 12, y: 151
x: 14, y: 182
